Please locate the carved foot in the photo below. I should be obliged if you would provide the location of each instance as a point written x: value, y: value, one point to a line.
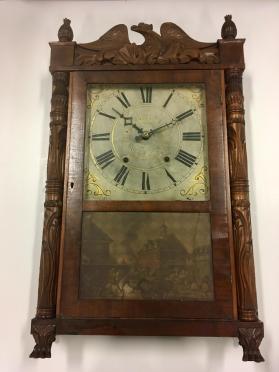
x: 250, y: 339
x: 44, y: 335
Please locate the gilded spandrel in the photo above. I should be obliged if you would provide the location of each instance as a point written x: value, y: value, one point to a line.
x: 146, y: 256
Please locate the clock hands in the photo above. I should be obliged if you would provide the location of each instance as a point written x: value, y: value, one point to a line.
x: 146, y: 134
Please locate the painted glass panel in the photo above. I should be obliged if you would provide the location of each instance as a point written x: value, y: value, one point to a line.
x: 139, y: 255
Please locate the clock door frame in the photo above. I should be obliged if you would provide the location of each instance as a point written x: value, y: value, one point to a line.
x: 223, y: 306
x: 172, y: 51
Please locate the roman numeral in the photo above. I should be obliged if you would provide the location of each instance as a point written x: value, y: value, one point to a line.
x: 185, y: 158
x: 122, y: 175
x: 106, y: 115
x: 105, y: 159
x: 184, y: 115
x: 145, y: 181
x: 170, y: 176
x: 168, y: 99
x: 123, y: 100
x: 146, y: 94
x: 191, y: 136
x: 100, y: 137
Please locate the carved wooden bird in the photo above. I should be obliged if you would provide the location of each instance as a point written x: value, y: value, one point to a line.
x: 115, y: 38
x: 152, y: 45
x: 151, y: 38
x: 170, y: 33
x: 178, y: 46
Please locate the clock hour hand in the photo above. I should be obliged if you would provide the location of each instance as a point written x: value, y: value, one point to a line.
x: 128, y: 120
x: 140, y: 130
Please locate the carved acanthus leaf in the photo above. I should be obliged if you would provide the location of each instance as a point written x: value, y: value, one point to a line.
x: 172, y: 45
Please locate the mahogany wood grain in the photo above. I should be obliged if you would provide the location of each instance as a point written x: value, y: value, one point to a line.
x: 145, y: 206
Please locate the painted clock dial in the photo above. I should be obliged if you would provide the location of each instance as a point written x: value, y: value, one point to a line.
x: 146, y: 143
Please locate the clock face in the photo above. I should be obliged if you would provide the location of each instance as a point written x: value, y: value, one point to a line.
x: 146, y: 143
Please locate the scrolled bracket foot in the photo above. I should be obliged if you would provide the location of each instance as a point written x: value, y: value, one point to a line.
x: 250, y: 339
x: 44, y: 335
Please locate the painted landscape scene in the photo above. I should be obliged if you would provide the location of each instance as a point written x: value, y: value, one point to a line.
x: 146, y: 256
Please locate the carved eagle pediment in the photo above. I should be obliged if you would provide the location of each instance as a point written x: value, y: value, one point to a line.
x: 172, y: 45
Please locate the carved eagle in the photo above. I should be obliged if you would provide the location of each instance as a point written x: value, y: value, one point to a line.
x: 115, y: 38
x: 178, y: 46
x: 172, y: 45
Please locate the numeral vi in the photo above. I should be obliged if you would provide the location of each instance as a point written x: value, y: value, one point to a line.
x: 145, y: 182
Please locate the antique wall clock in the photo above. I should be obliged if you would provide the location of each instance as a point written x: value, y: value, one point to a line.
x: 147, y: 222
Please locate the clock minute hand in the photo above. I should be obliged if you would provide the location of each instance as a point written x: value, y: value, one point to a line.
x: 148, y: 133
x: 152, y: 131
x: 178, y: 118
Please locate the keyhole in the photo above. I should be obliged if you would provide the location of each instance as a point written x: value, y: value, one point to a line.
x: 72, y: 185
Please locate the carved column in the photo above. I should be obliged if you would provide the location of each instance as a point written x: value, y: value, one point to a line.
x: 54, y: 198
x: 43, y: 325
x: 46, y: 306
x: 250, y: 332
x: 246, y: 289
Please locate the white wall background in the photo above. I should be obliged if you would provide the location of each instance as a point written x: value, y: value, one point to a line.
x: 25, y: 88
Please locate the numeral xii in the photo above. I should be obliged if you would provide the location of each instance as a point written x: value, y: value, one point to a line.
x: 146, y: 94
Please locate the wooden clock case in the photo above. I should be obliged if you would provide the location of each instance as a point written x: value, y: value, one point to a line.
x: 161, y: 58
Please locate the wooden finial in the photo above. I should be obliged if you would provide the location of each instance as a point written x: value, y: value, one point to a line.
x: 65, y: 32
x: 229, y: 30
